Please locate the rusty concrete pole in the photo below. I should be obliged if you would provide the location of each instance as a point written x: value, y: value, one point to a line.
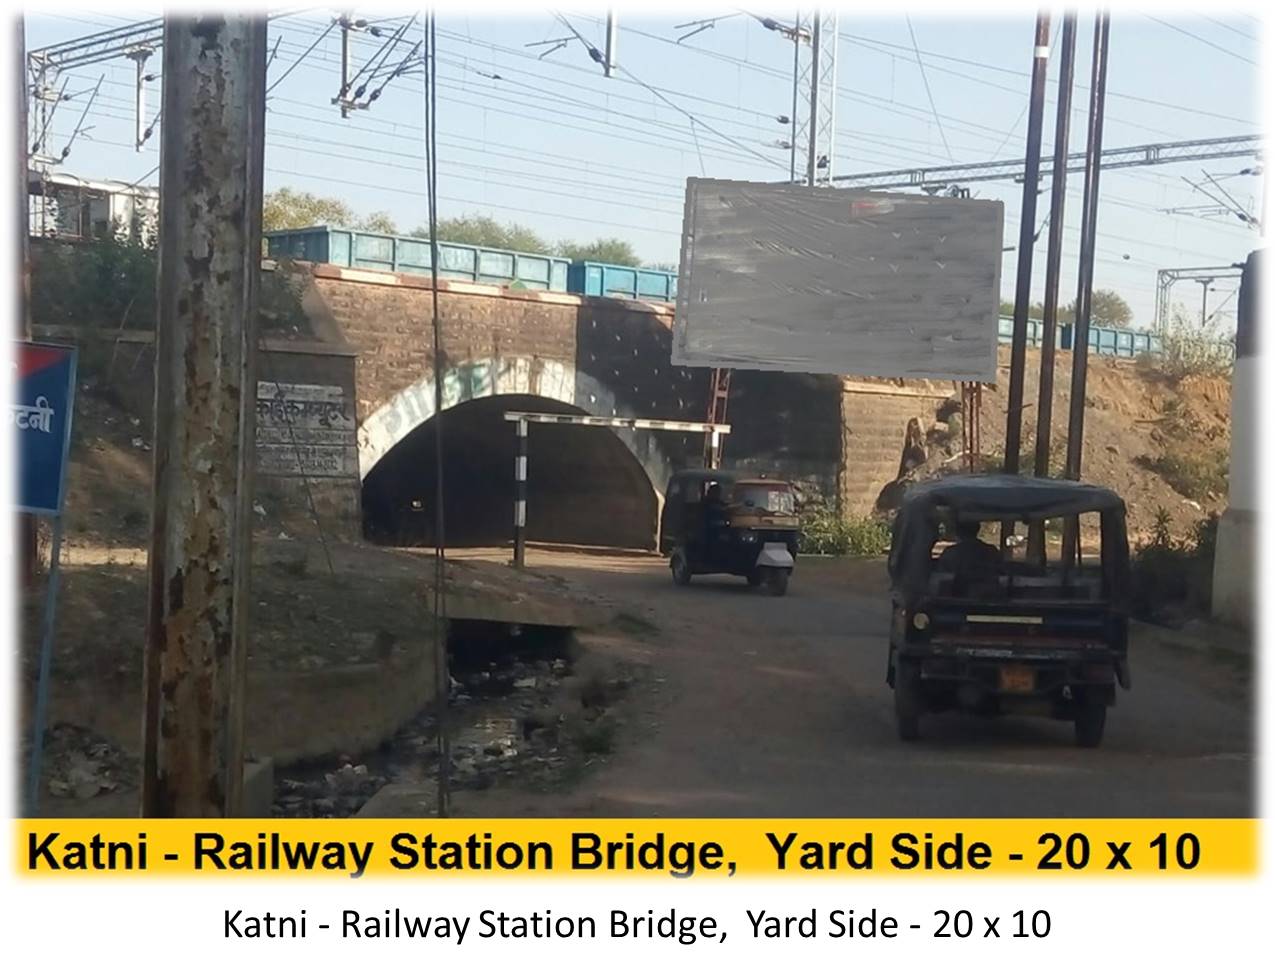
x: 1026, y: 244
x: 211, y: 159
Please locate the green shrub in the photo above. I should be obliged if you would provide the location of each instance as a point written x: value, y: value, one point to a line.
x: 1168, y: 573
x: 105, y: 283
x: 1189, y: 347
x: 824, y: 532
x: 1193, y: 473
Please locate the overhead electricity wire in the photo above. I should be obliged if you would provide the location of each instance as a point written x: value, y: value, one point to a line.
x: 676, y: 107
x: 292, y: 67
x: 877, y: 45
x: 1196, y: 37
x: 928, y: 93
x: 442, y: 675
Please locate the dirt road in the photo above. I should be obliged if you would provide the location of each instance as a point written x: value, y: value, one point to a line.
x: 778, y: 707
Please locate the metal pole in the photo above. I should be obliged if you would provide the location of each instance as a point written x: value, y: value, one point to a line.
x: 609, y: 68
x: 35, y: 765
x: 1026, y: 244
x: 796, y: 82
x: 345, y: 63
x: 139, y: 107
x: 1084, y: 288
x: 812, y: 144
x: 1204, y: 304
x: 520, y: 503
x: 211, y: 164
x: 1053, y: 260
x: 24, y: 190
x: 26, y: 522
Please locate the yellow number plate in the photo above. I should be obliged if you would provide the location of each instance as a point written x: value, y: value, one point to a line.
x: 1017, y: 679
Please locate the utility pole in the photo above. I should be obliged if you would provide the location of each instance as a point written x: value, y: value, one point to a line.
x: 23, y: 317
x: 612, y: 37
x: 343, y: 95
x: 26, y: 522
x: 211, y: 161
x: 1026, y: 244
x: 1053, y: 259
x: 1204, y: 302
x: 1084, y: 288
x: 140, y: 56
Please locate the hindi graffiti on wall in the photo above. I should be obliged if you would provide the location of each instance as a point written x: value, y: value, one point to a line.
x: 305, y: 430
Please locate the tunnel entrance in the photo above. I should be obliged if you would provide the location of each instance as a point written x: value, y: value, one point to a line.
x: 584, y: 486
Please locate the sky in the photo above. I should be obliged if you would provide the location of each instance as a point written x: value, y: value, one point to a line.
x: 553, y: 144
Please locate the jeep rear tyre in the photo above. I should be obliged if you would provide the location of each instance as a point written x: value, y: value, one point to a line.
x: 1091, y: 721
x: 908, y: 702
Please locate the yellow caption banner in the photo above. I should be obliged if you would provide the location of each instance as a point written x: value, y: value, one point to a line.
x: 683, y: 848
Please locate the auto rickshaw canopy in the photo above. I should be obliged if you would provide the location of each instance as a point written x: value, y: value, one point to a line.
x: 1001, y: 497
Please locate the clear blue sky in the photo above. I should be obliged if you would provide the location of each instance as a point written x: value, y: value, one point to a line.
x: 558, y: 147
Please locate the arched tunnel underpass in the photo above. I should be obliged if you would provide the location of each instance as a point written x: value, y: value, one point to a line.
x: 584, y: 485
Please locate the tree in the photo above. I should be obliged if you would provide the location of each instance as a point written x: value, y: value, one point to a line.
x: 1109, y: 310
x: 1035, y: 312
x: 609, y: 250
x: 666, y: 267
x: 379, y: 222
x: 483, y: 231
x: 290, y: 209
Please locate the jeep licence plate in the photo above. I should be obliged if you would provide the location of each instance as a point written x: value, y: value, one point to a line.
x: 1017, y: 679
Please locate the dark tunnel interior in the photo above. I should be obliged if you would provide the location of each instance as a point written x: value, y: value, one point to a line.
x: 584, y: 486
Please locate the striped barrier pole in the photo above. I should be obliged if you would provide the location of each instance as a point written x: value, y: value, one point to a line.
x: 520, y: 503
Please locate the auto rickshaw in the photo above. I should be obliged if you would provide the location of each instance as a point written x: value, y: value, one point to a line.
x: 720, y: 522
x: 1009, y: 595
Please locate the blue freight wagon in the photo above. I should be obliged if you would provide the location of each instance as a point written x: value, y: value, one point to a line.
x: 608, y: 280
x: 1113, y: 342
x: 410, y: 255
x: 1005, y: 332
x: 1109, y: 342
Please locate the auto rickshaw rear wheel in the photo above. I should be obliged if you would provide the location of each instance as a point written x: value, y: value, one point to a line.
x: 776, y: 581
x: 681, y: 568
x: 1091, y: 721
x: 907, y: 700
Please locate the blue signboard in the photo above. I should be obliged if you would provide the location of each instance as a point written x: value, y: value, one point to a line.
x: 44, y: 394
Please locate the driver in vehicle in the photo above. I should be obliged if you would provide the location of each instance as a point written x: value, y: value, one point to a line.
x: 970, y: 561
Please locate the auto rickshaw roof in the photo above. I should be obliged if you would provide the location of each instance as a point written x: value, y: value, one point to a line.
x: 992, y: 496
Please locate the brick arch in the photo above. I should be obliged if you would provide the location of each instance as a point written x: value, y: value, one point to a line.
x: 507, y: 375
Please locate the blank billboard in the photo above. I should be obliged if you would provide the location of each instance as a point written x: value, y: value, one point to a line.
x: 837, y: 281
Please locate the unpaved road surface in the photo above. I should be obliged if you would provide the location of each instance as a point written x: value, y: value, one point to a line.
x: 767, y: 706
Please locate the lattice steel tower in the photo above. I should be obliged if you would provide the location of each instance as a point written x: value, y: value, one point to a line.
x: 814, y: 97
